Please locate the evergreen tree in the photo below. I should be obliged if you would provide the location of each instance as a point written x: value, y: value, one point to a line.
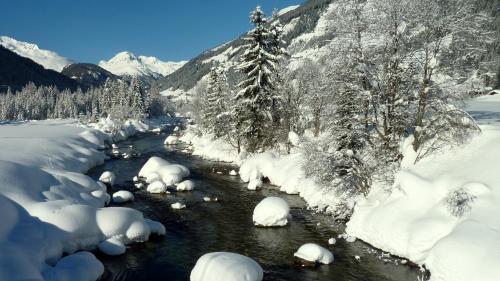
x: 253, y: 109
x: 216, y: 103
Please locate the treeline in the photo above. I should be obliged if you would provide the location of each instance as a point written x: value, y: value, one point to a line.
x: 116, y: 98
x: 389, y: 87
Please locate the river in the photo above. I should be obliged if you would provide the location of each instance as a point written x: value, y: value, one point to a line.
x: 227, y: 225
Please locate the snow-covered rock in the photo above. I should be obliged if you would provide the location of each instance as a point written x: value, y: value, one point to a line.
x: 108, y: 178
x: 123, y: 196
x: 156, y: 187
x: 177, y: 129
x: 271, y: 211
x: 332, y: 241
x: 233, y: 173
x: 178, y: 206
x: 157, y: 169
x: 171, y: 140
x: 223, y: 266
x: 314, y: 253
x: 186, y: 185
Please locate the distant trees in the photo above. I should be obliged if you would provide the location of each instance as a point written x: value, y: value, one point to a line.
x: 115, y: 98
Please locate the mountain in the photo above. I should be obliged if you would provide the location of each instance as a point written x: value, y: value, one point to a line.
x: 48, y: 59
x: 88, y: 74
x: 126, y: 63
x: 304, y: 31
x: 17, y: 71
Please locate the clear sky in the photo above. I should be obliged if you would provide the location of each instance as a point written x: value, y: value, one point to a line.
x: 91, y: 30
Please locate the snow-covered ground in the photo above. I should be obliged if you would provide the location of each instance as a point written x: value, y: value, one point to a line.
x: 50, y: 208
x: 412, y: 218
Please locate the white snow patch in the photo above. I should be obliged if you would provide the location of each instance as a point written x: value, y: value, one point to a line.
x: 178, y: 206
x: 108, y: 177
x: 186, y: 185
x: 156, y: 187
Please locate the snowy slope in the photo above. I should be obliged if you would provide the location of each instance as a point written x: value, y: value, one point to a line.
x: 126, y: 63
x: 413, y: 220
x: 47, y: 59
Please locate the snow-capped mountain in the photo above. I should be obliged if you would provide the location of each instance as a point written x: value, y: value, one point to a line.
x: 126, y: 63
x: 48, y: 59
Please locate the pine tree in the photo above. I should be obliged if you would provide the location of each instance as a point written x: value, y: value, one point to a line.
x: 216, y: 103
x: 254, y: 102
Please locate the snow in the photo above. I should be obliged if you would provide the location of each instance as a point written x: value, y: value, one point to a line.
x: 287, y: 9
x: 332, y: 241
x: 233, y: 173
x: 112, y: 247
x: 186, y: 185
x: 123, y: 196
x: 171, y: 140
x: 48, y: 59
x: 156, y: 187
x: 119, y: 131
x: 157, y: 169
x: 314, y: 253
x: 271, y: 211
x: 50, y: 209
x: 178, y: 206
x: 224, y: 266
x: 126, y: 63
x: 412, y: 220
x: 108, y: 178
x: 209, y: 147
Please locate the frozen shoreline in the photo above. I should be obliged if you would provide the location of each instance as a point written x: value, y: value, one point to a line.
x: 51, y: 208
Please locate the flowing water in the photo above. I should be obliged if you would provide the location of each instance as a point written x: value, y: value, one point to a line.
x: 226, y: 225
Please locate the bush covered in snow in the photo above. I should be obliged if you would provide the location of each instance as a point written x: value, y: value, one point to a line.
x: 223, y: 266
x: 271, y: 211
x: 459, y: 202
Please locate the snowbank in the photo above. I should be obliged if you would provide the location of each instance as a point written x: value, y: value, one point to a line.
x: 223, y: 266
x: 208, y: 147
x: 123, y: 196
x: 314, y: 253
x: 271, y: 211
x: 414, y: 220
x: 50, y: 209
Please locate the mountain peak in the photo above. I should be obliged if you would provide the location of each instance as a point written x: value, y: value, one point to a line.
x: 48, y: 59
x: 127, y: 63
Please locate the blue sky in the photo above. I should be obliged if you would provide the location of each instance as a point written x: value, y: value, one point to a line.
x: 91, y: 30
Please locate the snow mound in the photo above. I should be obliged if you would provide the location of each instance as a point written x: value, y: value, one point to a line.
x: 156, y: 187
x: 233, y: 173
x: 123, y: 196
x: 157, y: 169
x: 223, y: 266
x: 171, y: 140
x: 332, y: 241
x: 254, y: 184
x: 178, y: 206
x: 108, y: 178
x: 186, y: 185
x: 271, y: 211
x: 314, y: 253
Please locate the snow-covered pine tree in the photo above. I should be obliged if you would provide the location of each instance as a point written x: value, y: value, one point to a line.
x: 253, y: 108
x: 213, y: 119
x: 137, y: 99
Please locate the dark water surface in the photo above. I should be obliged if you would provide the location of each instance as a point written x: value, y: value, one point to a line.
x: 226, y: 225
